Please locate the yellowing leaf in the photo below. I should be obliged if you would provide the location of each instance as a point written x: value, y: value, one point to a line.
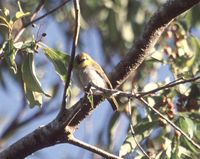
x: 20, y: 14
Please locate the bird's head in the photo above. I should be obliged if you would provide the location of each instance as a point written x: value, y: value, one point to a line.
x: 83, y: 60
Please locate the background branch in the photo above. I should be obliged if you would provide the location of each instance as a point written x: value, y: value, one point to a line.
x: 171, y: 123
x: 133, y: 132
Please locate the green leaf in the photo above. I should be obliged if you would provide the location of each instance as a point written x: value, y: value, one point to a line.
x: 32, y: 85
x: 187, y: 125
x: 10, y: 54
x: 190, y: 146
x: 59, y: 60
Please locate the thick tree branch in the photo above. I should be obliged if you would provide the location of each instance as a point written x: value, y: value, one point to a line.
x: 38, y: 139
x: 49, y: 134
x: 146, y: 42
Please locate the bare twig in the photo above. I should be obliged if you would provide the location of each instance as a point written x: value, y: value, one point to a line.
x: 39, y: 18
x: 13, y: 123
x: 169, y: 85
x: 115, y: 92
x: 91, y: 148
x: 73, y: 52
x: 133, y: 132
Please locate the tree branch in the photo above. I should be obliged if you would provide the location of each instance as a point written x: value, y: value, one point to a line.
x: 91, y: 148
x: 133, y: 132
x: 115, y: 92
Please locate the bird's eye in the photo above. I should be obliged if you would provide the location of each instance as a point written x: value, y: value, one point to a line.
x: 80, y: 60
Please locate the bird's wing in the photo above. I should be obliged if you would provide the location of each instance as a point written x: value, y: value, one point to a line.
x: 101, y: 72
x: 111, y: 100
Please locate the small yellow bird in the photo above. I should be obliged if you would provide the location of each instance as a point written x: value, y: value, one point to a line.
x: 90, y: 71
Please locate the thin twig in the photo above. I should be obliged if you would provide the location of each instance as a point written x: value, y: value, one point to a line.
x: 131, y: 95
x: 171, y: 123
x: 12, y: 125
x: 91, y: 148
x: 37, y: 19
x: 22, y: 29
x: 169, y: 85
x: 133, y: 132
x: 73, y: 52
x: 115, y: 92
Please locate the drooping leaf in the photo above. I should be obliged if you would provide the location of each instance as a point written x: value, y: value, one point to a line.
x: 32, y: 86
x: 59, y: 60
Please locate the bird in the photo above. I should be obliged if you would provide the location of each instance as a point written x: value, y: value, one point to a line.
x: 89, y: 71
